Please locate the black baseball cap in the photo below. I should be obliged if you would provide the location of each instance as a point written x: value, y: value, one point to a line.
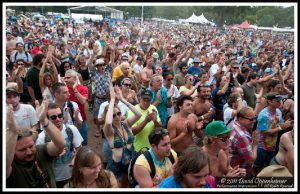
x: 146, y: 94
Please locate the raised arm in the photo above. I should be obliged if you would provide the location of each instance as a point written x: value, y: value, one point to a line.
x: 137, y: 114
x: 11, y: 138
x: 108, y: 130
x: 58, y: 142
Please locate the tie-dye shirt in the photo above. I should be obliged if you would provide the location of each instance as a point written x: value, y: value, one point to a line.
x: 265, y: 117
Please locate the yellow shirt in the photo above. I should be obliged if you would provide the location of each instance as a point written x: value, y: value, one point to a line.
x: 161, y: 173
x: 183, y: 89
x: 117, y: 72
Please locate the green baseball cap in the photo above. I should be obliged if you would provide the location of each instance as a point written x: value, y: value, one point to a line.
x: 216, y: 128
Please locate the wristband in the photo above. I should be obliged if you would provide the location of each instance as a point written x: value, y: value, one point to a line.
x: 239, y: 99
x: 46, y: 126
x: 202, y: 117
x: 279, y: 127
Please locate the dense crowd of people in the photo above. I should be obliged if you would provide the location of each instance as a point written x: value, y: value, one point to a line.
x: 180, y: 104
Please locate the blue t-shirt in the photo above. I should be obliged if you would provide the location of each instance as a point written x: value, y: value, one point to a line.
x: 219, y: 100
x: 162, y: 106
x: 171, y: 183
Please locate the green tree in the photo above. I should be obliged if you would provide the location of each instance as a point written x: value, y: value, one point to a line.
x: 266, y: 21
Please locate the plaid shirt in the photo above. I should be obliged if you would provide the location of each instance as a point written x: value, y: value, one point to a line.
x: 241, y: 147
x: 101, y: 82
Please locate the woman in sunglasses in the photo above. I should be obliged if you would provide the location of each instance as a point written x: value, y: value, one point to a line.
x: 188, y: 89
x: 19, y: 76
x: 127, y: 92
x: 216, y: 144
x: 119, y: 136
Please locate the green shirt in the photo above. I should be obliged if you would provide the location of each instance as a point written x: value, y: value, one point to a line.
x: 141, y: 139
x: 28, y: 175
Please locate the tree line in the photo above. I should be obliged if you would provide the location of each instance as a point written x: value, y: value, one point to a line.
x: 267, y: 16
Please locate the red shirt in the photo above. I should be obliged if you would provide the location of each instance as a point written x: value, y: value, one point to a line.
x: 85, y: 93
x: 35, y: 51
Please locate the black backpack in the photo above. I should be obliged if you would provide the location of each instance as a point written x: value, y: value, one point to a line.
x: 26, y: 53
x: 144, y: 150
x: 70, y: 136
x: 71, y: 110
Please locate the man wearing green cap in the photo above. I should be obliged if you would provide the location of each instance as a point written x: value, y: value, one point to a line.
x: 216, y: 145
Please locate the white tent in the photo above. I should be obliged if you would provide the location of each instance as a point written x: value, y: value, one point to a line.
x: 193, y: 19
x: 203, y: 20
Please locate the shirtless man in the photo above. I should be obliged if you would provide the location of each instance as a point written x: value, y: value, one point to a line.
x: 182, y: 124
x: 202, y: 105
x: 147, y: 73
x: 10, y: 44
x: 286, y: 144
x: 216, y: 145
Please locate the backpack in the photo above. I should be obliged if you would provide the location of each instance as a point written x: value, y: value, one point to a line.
x: 71, y: 110
x: 70, y: 136
x: 131, y: 179
x: 26, y: 53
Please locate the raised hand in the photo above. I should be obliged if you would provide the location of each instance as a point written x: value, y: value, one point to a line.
x: 41, y: 110
x: 118, y: 93
x: 11, y: 121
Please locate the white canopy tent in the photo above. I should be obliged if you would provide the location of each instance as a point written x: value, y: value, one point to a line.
x: 198, y: 19
x: 203, y: 20
x: 193, y: 19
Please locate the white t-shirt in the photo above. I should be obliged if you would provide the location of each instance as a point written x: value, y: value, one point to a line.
x: 137, y: 68
x: 212, y: 71
x: 227, y: 114
x: 124, y: 109
x: 75, y: 106
x: 26, y: 116
x: 62, y: 169
x: 176, y: 94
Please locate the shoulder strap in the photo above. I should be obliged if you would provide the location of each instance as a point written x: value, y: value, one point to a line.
x: 26, y: 53
x: 71, y: 110
x: 150, y: 162
x: 70, y: 135
x: 16, y: 56
x: 171, y: 157
x: 229, y: 120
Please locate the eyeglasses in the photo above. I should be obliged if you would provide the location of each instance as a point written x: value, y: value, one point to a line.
x: 118, y: 113
x: 54, y: 117
x: 170, y: 79
x: 127, y: 85
x: 24, y: 134
x: 250, y: 119
x: 224, y: 138
x: 161, y: 131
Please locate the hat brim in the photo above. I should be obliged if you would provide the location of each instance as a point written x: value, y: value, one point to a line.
x: 11, y: 91
x: 146, y: 96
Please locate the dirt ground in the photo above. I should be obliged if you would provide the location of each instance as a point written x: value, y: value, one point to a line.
x: 93, y: 142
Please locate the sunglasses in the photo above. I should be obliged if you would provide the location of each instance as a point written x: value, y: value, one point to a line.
x: 118, y: 113
x: 235, y: 67
x: 191, y: 79
x: 20, y: 63
x: 170, y: 79
x: 24, y: 134
x: 127, y: 85
x: 161, y: 132
x: 250, y: 119
x: 224, y: 139
x: 54, y: 117
x: 36, y: 42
